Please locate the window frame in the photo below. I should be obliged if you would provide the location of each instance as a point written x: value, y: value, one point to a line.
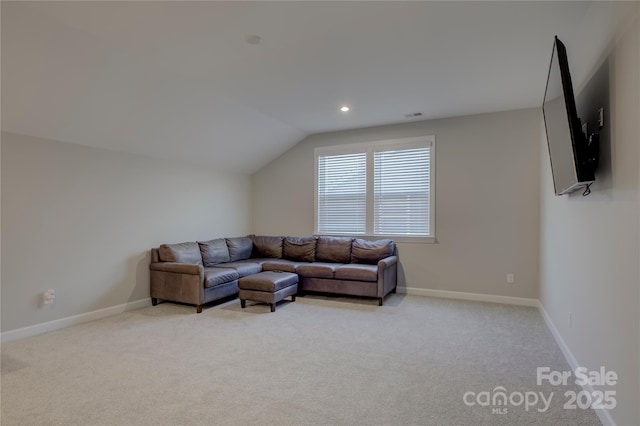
x: 369, y: 148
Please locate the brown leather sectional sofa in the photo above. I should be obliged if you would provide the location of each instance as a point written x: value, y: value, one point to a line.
x: 201, y: 272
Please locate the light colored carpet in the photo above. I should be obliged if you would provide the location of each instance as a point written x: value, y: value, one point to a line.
x: 320, y: 360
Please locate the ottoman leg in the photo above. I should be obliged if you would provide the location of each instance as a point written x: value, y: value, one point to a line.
x: 243, y: 303
x: 198, y: 309
x: 273, y: 307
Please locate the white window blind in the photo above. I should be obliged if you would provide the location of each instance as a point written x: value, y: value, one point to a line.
x: 382, y: 188
x: 342, y: 193
x: 401, y: 192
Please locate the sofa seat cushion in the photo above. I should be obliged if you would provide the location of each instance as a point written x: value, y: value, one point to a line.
x: 259, y: 260
x: 318, y: 270
x: 243, y: 268
x: 217, y: 276
x: 283, y: 265
x: 357, y: 272
x: 181, y: 253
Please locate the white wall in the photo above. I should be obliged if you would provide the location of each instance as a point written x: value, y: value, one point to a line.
x: 487, y: 186
x: 590, y: 246
x: 82, y: 220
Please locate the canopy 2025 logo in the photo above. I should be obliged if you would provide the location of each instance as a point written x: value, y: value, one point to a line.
x: 596, y: 399
x: 499, y: 399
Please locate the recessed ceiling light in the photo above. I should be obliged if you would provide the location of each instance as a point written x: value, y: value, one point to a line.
x: 253, y: 39
x: 344, y: 109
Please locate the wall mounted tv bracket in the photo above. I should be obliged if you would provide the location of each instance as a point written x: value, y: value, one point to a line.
x: 590, y: 156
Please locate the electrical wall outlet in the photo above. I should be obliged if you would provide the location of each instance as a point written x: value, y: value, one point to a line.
x: 49, y: 297
x: 511, y: 279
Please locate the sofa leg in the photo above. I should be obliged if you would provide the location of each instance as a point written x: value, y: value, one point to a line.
x: 243, y: 303
x: 394, y: 290
x: 379, y: 301
x: 198, y: 309
x: 273, y: 307
x: 154, y: 301
x: 293, y: 298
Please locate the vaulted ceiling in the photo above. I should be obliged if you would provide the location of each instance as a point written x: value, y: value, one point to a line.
x: 179, y: 80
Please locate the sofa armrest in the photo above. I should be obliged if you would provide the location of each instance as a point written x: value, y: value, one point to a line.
x: 387, y: 276
x: 178, y: 268
x: 178, y: 282
x: 386, y: 262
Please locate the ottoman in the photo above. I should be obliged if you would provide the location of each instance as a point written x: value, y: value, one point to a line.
x: 268, y: 287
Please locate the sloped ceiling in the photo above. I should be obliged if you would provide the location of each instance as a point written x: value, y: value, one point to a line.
x: 178, y: 80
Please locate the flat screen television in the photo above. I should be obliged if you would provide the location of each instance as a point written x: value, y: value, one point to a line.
x: 573, y: 154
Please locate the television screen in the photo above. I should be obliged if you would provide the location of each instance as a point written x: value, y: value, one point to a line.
x: 565, y: 139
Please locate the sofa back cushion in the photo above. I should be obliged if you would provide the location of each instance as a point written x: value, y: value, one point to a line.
x: 302, y: 249
x: 181, y: 253
x: 239, y: 248
x: 267, y: 247
x: 214, y: 252
x: 334, y: 249
x: 363, y: 251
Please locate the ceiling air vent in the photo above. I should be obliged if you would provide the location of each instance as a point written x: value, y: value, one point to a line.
x: 414, y: 114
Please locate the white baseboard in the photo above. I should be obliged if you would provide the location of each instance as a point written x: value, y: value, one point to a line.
x: 603, y: 415
x: 509, y: 300
x: 45, y: 327
x: 559, y: 340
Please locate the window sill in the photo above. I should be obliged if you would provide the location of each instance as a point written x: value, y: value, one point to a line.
x: 404, y: 239
x: 412, y: 240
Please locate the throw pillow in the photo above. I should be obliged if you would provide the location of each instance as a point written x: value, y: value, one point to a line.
x: 334, y: 249
x: 267, y: 247
x: 370, y: 252
x: 180, y: 253
x: 214, y: 251
x: 302, y: 249
x: 239, y: 248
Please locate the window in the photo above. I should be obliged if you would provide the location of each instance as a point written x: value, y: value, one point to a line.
x: 382, y: 188
x: 342, y: 193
